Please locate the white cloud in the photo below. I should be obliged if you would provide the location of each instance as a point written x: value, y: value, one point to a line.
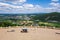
x: 16, y: 2
x: 55, y: 0
x: 22, y: 0
x: 13, y: 0
x: 9, y: 8
x: 54, y: 4
x: 50, y: 9
x: 28, y: 5
x: 25, y: 8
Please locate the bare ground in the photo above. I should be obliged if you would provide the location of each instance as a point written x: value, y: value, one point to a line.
x: 33, y: 34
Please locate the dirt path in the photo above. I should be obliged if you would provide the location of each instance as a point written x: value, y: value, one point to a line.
x: 33, y: 34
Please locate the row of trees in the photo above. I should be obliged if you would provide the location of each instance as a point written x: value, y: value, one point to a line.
x: 7, y: 24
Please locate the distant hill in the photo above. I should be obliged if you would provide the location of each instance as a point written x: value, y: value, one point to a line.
x: 55, y: 16
x: 48, y: 16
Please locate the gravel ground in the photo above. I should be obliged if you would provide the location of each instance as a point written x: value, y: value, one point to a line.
x: 33, y: 34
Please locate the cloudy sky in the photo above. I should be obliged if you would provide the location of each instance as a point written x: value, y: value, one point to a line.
x: 29, y: 6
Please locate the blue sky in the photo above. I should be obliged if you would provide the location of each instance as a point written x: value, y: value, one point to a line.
x: 29, y: 6
x: 43, y: 3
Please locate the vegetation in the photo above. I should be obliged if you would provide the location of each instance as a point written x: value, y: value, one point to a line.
x: 41, y: 19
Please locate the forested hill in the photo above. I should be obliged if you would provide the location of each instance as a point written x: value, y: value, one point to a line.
x: 48, y: 16
x: 54, y: 16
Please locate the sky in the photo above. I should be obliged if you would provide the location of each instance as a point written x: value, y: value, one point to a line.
x: 29, y: 6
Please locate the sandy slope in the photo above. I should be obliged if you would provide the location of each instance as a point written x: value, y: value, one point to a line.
x: 33, y: 34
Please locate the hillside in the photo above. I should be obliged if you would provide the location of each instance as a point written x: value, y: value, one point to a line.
x: 41, y: 19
